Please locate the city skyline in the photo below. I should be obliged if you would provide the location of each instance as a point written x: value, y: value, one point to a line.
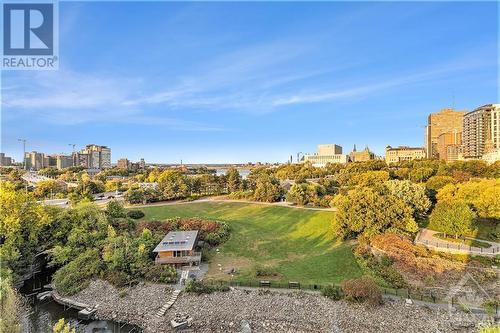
x: 261, y: 87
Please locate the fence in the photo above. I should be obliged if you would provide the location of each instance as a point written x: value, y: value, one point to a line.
x: 402, y: 293
x: 448, y: 246
x: 292, y: 285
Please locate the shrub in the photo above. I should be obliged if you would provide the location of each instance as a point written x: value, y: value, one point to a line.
x: 135, y: 214
x: 265, y: 271
x: 332, y: 292
x: 361, y: 290
x: 118, y: 279
x: 201, y: 288
x: 248, y: 194
x: 76, y: 275
x: 161, y: 273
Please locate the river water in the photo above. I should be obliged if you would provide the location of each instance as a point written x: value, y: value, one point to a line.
x: 243, y: 172
x: 40, y: 316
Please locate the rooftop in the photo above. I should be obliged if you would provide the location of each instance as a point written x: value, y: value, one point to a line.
x: 177, y: 241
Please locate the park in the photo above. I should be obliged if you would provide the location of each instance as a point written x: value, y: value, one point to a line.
x: 268, y: 242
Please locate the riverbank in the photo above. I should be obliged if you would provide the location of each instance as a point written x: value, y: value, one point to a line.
x: 267, y: 311
x: 134, y: 305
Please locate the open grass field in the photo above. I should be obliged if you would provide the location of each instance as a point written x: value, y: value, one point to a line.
x: 287, y: 244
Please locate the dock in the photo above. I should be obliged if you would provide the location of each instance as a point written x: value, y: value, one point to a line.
x: 86, y: 312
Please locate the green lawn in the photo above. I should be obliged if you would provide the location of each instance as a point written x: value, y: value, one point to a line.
x: 468, y: 242
x: 482, y: 229
x: 297, y: 244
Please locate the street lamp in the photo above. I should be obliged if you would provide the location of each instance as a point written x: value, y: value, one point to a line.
x: 24, y: 152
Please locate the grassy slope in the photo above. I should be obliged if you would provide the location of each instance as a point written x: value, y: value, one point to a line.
x: 297, y: 243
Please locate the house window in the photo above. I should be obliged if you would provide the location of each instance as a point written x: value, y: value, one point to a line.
x: 179, y: 253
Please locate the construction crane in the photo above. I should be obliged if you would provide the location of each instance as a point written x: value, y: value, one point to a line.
x: 24, y: 152
x: 72, y: 145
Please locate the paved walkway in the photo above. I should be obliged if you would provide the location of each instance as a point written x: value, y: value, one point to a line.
x: 428, y: 238
x: 278, y: 204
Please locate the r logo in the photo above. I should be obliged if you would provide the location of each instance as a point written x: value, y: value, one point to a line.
x: 28, y: 29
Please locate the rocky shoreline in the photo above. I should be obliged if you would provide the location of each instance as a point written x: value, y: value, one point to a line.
x: 267, y: 311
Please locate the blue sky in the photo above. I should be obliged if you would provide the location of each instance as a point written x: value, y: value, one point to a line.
x: 238, y: 82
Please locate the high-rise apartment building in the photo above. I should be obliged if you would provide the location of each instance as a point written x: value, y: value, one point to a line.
x: 481, y: 131
x: 64, y: 161
x: 34, y: 160
x: 403, y: 153
x: 5, y: 160
x: 445, y: 121
x: 94, y: 157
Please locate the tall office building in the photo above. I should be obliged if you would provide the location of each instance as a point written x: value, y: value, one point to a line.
x: 449, y: 146
x: 445, y: 121
x: 481, y: 131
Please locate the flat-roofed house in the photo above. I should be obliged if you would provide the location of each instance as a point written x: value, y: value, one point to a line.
x: 178, y: 248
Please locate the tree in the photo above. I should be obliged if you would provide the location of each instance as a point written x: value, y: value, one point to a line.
x: 22, y: 223
x: 115, y: 209
x: 135, y: 196
x: 172, y: 185
x: 437, y: 182
x: 233, y: 180
x: 369, y: 178
x: 481, y: 194
x: 420, y: 175
x: 10, y: 305
x: 366, y: 211
x: 46, y: 188
x: 453, y: 218
x: 305, y: 193
x: 267, y: 188
x: 412, y: 194
x: 62, y: 327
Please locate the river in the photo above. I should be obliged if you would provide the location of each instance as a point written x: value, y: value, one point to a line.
x: 40, y: 316
x: 243, y: 172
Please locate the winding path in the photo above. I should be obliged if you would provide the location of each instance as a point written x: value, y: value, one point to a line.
x: 427, y: 238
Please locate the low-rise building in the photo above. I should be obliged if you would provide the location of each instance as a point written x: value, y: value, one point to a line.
x: 178, y: 248
x: 360, y: 156
x: 492, y: 156
x: 329, y: 153
x: 403, y: 153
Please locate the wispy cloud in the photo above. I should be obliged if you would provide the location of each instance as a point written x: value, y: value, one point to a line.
x: 253, y: 79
